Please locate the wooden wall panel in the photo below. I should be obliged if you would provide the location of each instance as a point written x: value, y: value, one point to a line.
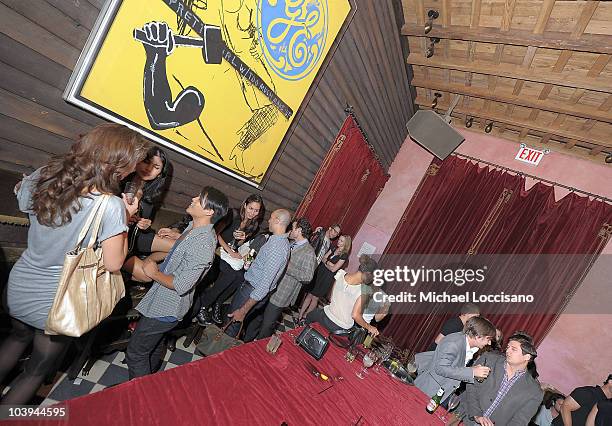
x: 40, y: 41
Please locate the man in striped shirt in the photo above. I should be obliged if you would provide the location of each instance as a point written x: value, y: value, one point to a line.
x: 263, y: 275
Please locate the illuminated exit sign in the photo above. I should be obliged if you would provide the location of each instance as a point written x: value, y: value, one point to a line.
x: 529, y: 155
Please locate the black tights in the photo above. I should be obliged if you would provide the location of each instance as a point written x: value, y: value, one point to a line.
x: 45, y: 353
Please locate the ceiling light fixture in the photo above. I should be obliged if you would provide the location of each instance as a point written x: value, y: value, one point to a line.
x: 434, y: 103
x: 431, y: 15
x: 430, y: 48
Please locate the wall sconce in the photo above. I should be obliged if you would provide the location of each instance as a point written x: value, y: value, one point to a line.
x: 434, y: 103
x: 489, y: 127
x: 469, y: 121
x: 608, y: 158
x: 431, y: 15
x: 431, y: 49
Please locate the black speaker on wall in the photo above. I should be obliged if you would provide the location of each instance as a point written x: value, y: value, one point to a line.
x: 434, y: 134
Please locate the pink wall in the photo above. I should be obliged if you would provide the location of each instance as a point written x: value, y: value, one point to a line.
x: 577, y: 349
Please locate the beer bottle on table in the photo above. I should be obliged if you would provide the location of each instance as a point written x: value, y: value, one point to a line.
x: 434, y: 402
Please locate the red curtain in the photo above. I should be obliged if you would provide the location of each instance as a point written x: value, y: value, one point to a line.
x: 347, y: 183
x: 461, y: 208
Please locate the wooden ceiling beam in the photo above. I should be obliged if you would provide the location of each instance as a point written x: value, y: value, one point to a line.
x: 475, y: 15
x: 598, y: 84
x: 577, y: 110
x: 545, y: 11
x: 599, y: 65
x: 509, y: 6
x: 606, y: 105
x: 588, y: 10
x: 506, y: 119
x: 595, y: 43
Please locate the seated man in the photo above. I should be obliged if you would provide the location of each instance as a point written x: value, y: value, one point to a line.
x: 171, y: 294
x: 510, y: 396
x: 262, y: 276
x: 446, y: 367
x: 580, y: 402
x: 301, y: 266
x: 456, y: 324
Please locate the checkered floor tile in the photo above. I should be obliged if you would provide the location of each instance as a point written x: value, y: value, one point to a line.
x: 111, y: 370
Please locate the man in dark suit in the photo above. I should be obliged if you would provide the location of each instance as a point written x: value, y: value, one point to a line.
x: 510, y: 396
x: 446, y: 366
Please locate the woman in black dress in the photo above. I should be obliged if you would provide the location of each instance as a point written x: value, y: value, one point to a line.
x: 333, y: 260
x: 150, y: 177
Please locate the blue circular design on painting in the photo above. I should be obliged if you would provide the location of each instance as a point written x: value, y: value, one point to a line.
x: 292, y: 35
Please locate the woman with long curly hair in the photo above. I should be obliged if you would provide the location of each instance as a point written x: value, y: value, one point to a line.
x: 58, y: 199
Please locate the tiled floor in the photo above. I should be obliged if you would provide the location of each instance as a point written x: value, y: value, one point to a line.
x: 111, y: 370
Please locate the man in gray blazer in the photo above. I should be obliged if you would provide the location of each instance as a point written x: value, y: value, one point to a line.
x: 300, y: 268
x: 510, y: 396
x: 446, y: 366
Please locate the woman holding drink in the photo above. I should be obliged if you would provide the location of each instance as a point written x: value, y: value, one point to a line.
x: 241, y: 226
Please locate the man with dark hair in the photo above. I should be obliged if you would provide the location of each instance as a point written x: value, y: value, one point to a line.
x: 446, y: 366
x: 456, y: 324
x: 301, y: 266
x: 263, y: 275
x: 580, y: 402
x: 321, y: 240
x: 510, y: 396
x: 171, y: 294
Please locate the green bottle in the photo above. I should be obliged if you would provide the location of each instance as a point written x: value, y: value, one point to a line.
x: 434, y: 402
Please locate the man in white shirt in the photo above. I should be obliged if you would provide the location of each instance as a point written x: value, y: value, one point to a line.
x: 446, y: 366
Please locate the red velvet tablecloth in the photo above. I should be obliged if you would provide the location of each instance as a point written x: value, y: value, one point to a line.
x: 248, y: 386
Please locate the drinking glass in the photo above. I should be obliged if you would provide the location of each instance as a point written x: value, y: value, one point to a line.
x: 453, y: 402
x: 484, y: 364
x: 369, y: 359
x: 385, y: 353
x: 350, y: 355
x: 130, y: 191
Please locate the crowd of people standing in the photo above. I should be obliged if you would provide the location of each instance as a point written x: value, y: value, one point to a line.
x: 195, y: 266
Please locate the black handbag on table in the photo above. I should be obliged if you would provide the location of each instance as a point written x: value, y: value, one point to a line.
x: 313, y: 342
x: 349, y: 338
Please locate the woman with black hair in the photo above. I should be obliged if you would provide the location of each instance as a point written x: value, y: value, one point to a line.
x: 148, y: 179
x: 240, y: 226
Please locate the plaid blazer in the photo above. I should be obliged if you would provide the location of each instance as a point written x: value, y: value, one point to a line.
x: 300, y: 269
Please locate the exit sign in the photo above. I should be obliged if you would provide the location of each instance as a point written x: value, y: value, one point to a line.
x: 529, y: 155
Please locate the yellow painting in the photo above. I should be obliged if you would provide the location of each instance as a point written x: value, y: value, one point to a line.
x: 217, y: 80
